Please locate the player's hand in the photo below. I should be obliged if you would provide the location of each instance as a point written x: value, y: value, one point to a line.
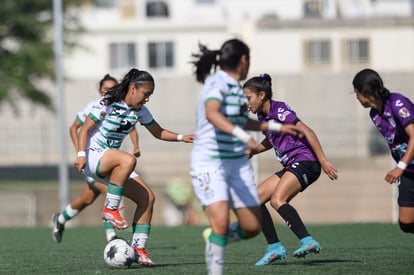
x: 394, y: 175
x: 188, y: 138
x: 250, y: 152
x: 329, y: 170
x: 80, y: 163
x: 136, y: 152
x: 251, y: 144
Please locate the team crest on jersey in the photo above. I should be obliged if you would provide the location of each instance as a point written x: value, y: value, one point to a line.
x: 102, y: 115
x: 403, y: 112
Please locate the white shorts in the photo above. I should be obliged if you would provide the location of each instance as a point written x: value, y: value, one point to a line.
x: 225, y: 180
x: 93, y: 157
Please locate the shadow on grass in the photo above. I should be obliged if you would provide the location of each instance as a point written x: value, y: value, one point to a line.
x: 321, y: 262
x: 156, y: 266
x: 300, y: 262
x: 155, y: 247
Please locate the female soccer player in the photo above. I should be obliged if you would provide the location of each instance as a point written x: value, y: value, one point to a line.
x: 100, y: 157
x: 301, y: 158
x: 91, y: 189
x: 221, y: 173
x: 393, y: 115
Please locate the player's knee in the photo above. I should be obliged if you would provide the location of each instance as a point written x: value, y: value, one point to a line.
x: 257, y: 231
x: 252, y: 230
x: 130, y: 161
x: 407, y: 227
x: 88, y: 201
x: 126, y: 163
x: 151, y: 198
x: 276, y: 203
x: 251, y: 233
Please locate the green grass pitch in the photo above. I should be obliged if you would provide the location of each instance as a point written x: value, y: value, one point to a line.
x: 346, y: 249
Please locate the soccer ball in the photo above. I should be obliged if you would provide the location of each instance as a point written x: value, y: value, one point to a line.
x: 118, y: 253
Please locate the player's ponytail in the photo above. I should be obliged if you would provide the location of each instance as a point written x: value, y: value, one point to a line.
x: 227, y: 58
x: 206, y: 60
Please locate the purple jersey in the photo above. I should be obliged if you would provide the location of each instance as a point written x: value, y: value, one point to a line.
x: 398, y: 113
x: 288, y: 148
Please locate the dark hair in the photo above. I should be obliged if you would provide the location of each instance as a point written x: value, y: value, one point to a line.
x: 119, y: 91
x: 369, y: 83
x: 227, y: 58
x: 106, y: 78
x: 263, y: 82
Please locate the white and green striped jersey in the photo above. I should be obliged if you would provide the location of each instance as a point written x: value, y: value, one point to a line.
x: 114, y: 122
x: 210, y: 142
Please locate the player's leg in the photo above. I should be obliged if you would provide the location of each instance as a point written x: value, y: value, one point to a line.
x: 249, y: 222
x: 109, y: 228
x: 287, y: 188
x: 274, y: 250
x: 406, y: 219
x: 240, y: 190
x: 138, y: 191
x: 210, y: 184
x: 406, y: 204
x: 118, y: 165
x: 87, y: 197
x: 245, y: 201
x: 218, y: 218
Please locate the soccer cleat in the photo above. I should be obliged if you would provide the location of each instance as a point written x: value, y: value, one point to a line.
x: 142, y: 256
x: 114, y: 217
x: 272, y: 254
x: 307, y: 245
x: 206, y: 233
x: 58, y: 228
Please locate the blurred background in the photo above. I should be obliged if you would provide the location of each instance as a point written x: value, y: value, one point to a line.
x: 311, y: 48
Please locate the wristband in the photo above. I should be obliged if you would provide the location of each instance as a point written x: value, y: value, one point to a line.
x: 81, y: 154
x: 274, y: 126
x: 180, y: 137
x: 241, y: 134
x: 402, y: 165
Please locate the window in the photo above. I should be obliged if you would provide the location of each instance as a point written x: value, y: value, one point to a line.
x: 157, y: 9
x: 122, y: 55
x: 318, y: 52
x: 312, y: 9
x: 161, y: 54
x: 357, y: 51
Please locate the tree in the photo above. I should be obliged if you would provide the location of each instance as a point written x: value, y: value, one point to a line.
x: 27, y: 48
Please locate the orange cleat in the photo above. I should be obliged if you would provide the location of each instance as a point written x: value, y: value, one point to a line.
x: 113, y: 216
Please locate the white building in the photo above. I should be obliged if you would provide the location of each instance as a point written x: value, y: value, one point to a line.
x: 160, y: 35
x: 311, y: 48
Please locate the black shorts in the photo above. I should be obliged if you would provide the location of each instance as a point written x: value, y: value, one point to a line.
x: 406, y: 190
x: 306, y: 171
